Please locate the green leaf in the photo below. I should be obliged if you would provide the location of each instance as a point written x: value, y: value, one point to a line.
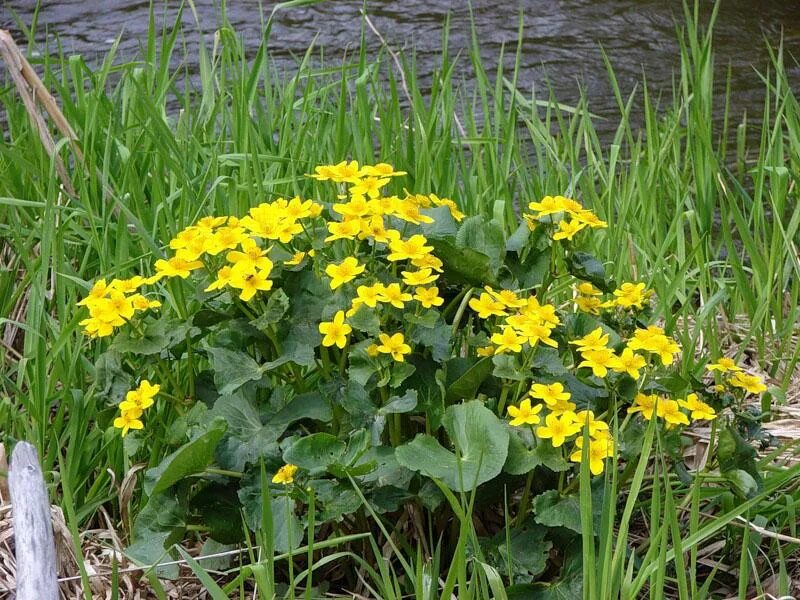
x: 519, y: 238
x: 522, y: 458
x: 507, y: 366
x: 366, y: 319
x: 586, y: 267
x: 553, y: 510
x: 232, y: 368
x: 215, y: 506
x: 524, y: 553
x: 443, y: 223
x: 111, y: 379
x: 157, y: 336
x: 464, y: 265
x: 315, y: 451
x: 481, y: 442
x: 286, y: 526
x: 277, y: 307
x: 433, y: 333
x: 485, y: 237
x: 464, y: 377
x: 158, y: 525
x: 400, y: 404
x: 193, y: 457
x: 400, y: 372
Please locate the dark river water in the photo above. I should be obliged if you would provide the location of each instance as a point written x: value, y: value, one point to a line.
x: 562, y: 38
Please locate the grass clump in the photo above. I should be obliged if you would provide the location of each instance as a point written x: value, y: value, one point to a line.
x: 346, y: 329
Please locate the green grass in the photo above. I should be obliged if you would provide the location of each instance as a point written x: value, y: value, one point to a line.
x: 708, y: 217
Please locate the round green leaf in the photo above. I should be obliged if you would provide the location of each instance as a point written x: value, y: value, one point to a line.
x: 481, y: 447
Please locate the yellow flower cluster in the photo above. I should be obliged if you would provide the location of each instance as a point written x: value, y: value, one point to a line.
x: 670, y: 410
x: 113, y: 304
x: 135, y: 403
x: 654, y: 341
x: 597, y: 356
x: 563, y: 423
x: 569, y: 216
x: 736, y: 377
x: 524, y: 320
x: 629, y: 296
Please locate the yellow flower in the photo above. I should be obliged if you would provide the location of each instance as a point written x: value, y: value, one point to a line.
x: 99, y: 290
x: 394, y: 345
x: 344, y: 172
x: 335, y: 331
x: 508, y: 298
x: 128, y: 420
x: 345, y: 230
x: 251, y: 257
x: 369, y: 295
x: 567, y: 229
x: 345, y: 271
x: 296, y: 259
x: 486, y: 306
x: 369, y: 186
x: 536, y: 332
x: 599, y: 451
x: 223, y: 279
x: 285, y: 474
x: 250, y: 282
x: 587, y: 289
x: 297, y: 208
x: 587, y: 217
x: 558, y: 428
x: 485, y: 351
x: 380, y: 170
x: 595, y: 340
x: 700, y: 411
x: 451, y: 206
x: 141, y: 397
x: 589, y: 304
x: 724, y: 365
x: 372, y: 350
x: 653, y: 340
x: 421, y: 277
x: 507, y: 341
x: 408, y: 210
x: 670, y: 411
x: 411, y: 249
x: 225, y: 238
x: 597, y: 428
x: 176, y: 267
x: 628, y: 362
x: 597, y: 360
x: 429, y: 261
x: 550, y: 393
x: 554, y: 396
x: 375, y: 228
x: 549, y: 205
x: 751, y: 383
x: 665, y: 347
x: 126, y: 286
x: 525, y: 414
x: 394, y: 295
x: 645, y: 404
x: 631, y: 295
x: 428, y: 297
x: 140, y: 302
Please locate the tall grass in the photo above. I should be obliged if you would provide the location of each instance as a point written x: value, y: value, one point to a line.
x: 708, y: 216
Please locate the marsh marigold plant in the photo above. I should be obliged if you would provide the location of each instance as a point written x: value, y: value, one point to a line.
x: 382, y: 336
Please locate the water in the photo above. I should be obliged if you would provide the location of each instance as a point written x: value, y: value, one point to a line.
x: 561, y: 46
